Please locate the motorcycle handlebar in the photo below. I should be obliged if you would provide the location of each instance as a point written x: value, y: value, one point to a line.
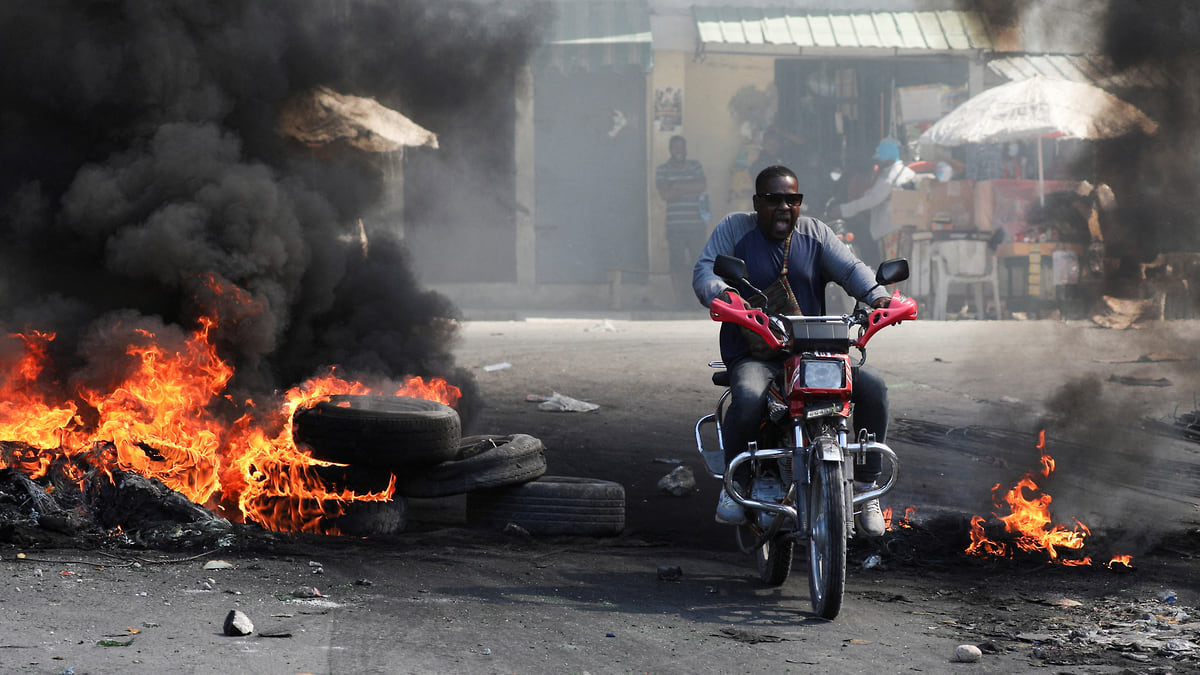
x: 744, y: 315
x: 737, y: 311
x: 901, y: 308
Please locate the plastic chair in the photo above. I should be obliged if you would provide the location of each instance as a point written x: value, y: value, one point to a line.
x: 963, y: 261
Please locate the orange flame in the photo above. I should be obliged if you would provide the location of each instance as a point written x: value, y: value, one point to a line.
x: 24, y: 412
x: 1126, y: 560
x: 1029, y: 519
x: 903, y: 523
x: 161, y: 419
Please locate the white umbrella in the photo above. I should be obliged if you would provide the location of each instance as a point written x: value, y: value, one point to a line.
x: 1038, y: 107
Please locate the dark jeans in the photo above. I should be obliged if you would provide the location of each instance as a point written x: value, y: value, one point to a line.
x: 683, y: 246
x: 749, y: 381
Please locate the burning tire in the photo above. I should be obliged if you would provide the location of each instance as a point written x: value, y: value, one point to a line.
x: 380, y: 431
x: 552, y: 505
x: 363, y: 519
x: 486, y: 462
x: 364, y: 479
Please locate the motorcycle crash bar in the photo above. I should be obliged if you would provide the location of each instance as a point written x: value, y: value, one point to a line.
x: 775, y: 453
x: 890, y: 455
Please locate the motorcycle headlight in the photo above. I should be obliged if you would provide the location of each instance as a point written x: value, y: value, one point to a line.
x: 822, y: 374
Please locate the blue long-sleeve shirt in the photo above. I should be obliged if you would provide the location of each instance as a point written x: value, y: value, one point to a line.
x: 817, y: 257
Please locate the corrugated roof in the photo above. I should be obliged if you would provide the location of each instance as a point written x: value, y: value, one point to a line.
x: 785, y: 30
x: 599, y: 35
x: 1094, y: 69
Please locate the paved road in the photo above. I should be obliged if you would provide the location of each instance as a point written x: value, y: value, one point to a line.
x: 1081, y: 382
x: 967, y: 397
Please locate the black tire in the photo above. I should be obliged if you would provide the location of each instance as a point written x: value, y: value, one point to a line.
x: 361, y: 479
x: 387, y: 432
x: 513, y: 460
x: 355, y: 478
x: 552, y: 505
x: 773, y: 558
x: 364, y: 519
x: 827, y: 540
x: 471, y: 446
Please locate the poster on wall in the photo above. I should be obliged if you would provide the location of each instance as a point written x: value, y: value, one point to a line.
x: 668, y: 108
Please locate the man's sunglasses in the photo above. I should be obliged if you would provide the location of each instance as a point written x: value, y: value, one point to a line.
x: 776, y: 199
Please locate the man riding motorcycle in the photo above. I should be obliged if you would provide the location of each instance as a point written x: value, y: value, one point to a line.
x: 792, y: 258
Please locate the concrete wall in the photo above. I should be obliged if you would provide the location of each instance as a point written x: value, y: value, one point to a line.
x: 713, y: 138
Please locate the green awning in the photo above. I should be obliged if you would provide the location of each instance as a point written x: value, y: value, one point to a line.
x: 781, y: 30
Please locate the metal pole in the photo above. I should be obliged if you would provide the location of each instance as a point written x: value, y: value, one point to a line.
x: 1041, y: 175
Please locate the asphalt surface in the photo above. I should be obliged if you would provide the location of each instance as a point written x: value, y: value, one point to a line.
x: 968, y: 400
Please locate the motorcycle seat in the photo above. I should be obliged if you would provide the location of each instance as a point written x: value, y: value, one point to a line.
x: 721, y: 378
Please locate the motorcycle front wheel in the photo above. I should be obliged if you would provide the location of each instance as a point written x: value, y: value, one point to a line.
x: 774, y: 557
x: 827, y: 540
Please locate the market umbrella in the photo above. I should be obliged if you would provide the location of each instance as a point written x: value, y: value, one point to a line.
x: 321, y: 116
x: 1038, y: 107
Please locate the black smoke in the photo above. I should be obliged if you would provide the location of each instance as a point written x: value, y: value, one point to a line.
x: 142, y: 177
x: 1113, y: 470
x: 1161, y: 36
x: 1151, y: 49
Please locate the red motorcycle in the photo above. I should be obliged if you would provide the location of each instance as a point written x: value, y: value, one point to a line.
x: 800, y: 466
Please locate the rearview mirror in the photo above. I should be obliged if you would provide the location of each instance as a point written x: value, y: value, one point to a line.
x: 889, y: 271
x: 728, y: 267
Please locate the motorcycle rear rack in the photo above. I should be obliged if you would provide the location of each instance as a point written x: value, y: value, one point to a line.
x: 718, y: 455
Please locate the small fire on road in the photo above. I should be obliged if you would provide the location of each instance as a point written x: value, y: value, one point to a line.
x: 902, y: 523
x: 162, y: 411
x: 1030, y: 522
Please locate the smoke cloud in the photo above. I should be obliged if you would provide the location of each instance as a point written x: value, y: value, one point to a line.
x: 142, y: 178
x: 1113, y: 470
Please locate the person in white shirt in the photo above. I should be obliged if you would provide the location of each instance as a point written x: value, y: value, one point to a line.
x: 890, y: 173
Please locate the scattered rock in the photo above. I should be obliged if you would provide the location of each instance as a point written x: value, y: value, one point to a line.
x: 237, y: 623
x: 670, y: 572
x: 307, y: 592
x: 967, y: 654
x: 681, y: 481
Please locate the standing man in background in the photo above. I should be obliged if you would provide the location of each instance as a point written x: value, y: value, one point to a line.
x: 681, y: 183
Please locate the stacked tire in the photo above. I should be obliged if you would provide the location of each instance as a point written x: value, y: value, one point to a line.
x: 420, y: 442
x: 552, y: 505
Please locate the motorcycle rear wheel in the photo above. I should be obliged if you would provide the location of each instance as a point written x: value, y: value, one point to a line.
x: 773, y: 558
x: 827, y: 540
